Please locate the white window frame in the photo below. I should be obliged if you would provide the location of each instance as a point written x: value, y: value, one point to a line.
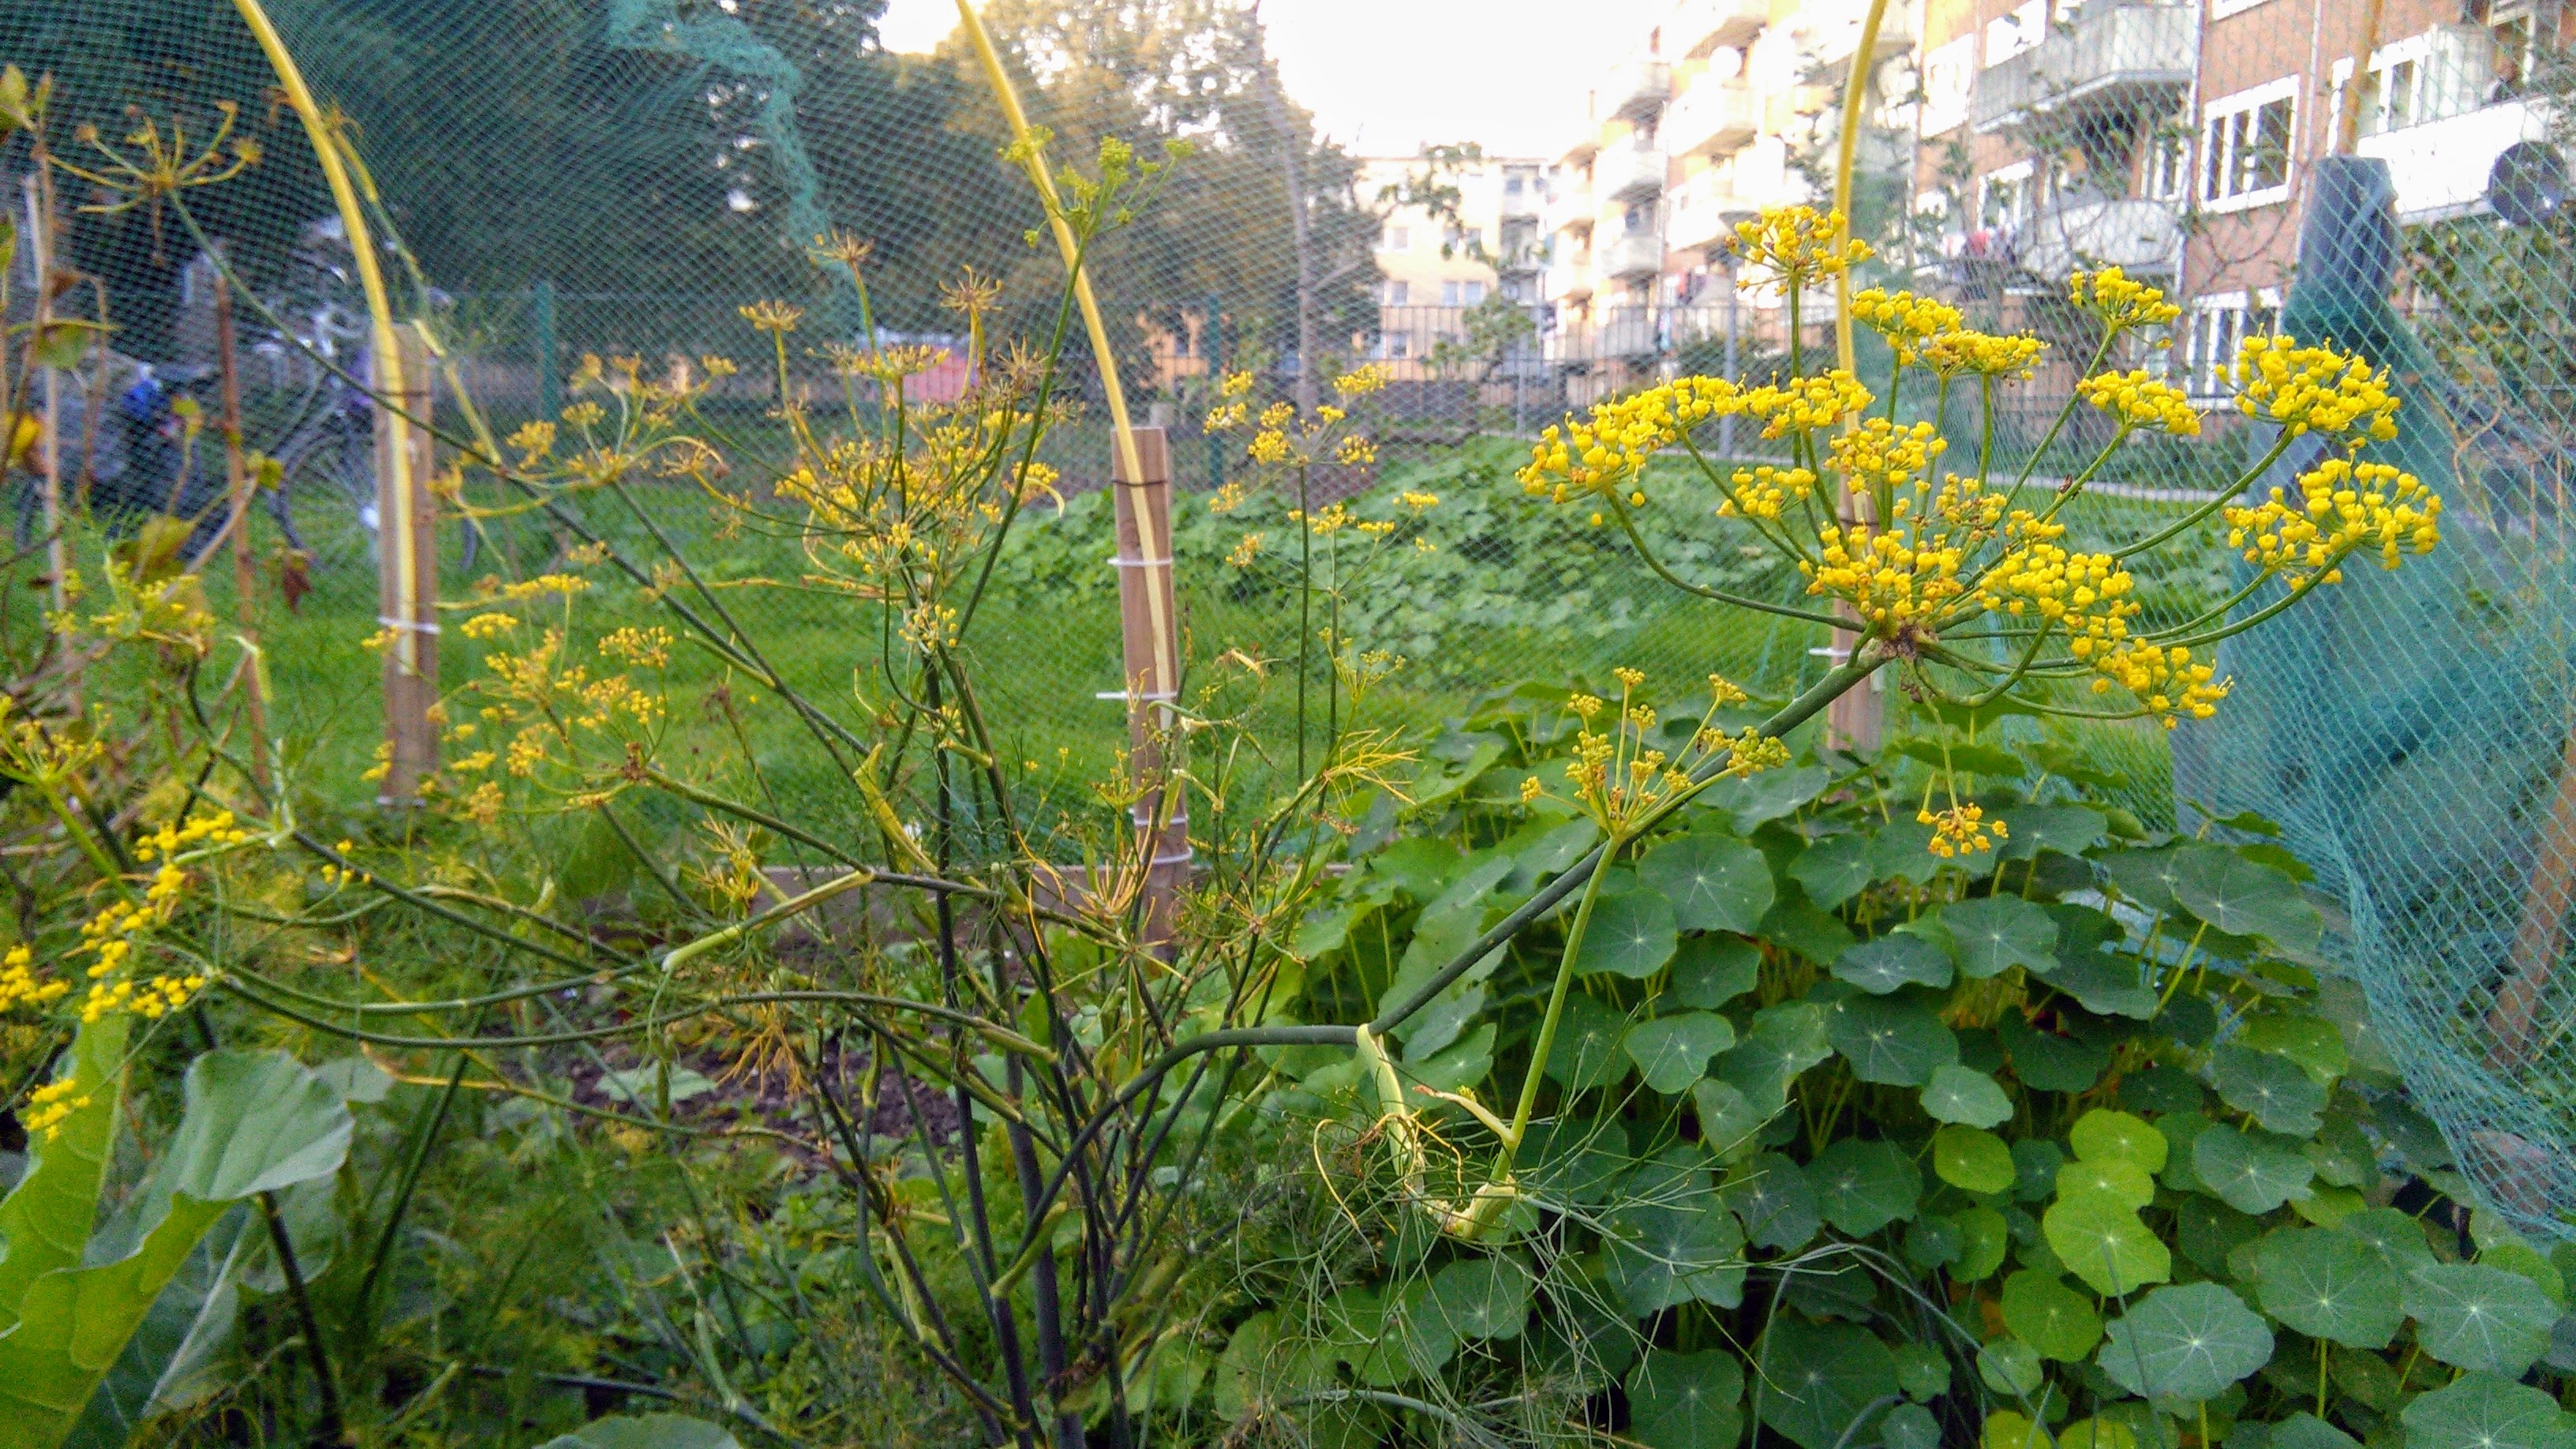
x: 1395, y: 239
x: 2021, y: 174
x: 2219, y: 325
x: 2019, y: 29
x: 1399, y: 293
x: 2216, y: 155
x: 1474, y: 292
x: 2221, y: 9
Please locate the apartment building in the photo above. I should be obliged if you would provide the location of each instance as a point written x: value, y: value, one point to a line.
x: 1437, y: 266
x: 2176, y: 139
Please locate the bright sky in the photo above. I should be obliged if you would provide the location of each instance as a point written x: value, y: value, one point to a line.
x: 1386, y: 76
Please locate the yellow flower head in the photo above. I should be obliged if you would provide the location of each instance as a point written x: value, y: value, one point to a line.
x: 2314, y: 389
x: 1764, y: 491
x: 1904, y: 319
x: 1235, y: 385
x: 1807, y: 404
x: 1961, y: 829
x: 775, y: 318
x: 1361, y: 381
x: 1796, y: 246
x: 1604, y: 453
x: 1983, y: 354
x: 2343, y: 507
x: 1881, y: 454
x: 2122, y: 304
x: 2136, y: 401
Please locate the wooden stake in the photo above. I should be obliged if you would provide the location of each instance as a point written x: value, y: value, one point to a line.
x: 1150, y: 644
x: 2536, y: 942
x: 245, y: 577
x: 407, y: 592
x: 49, y: 454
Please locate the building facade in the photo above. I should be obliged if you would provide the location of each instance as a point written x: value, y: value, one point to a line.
x: 1449, y: 271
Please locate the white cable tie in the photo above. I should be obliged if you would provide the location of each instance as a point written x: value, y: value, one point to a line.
x: 1184, y: 858
x: 1140, y: 563
x: 1151, y: 696
x: 413, y: 625
x: 1835, y: 652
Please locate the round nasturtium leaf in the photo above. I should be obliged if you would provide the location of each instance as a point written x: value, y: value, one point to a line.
x: 2277, y: 1091
x: 2126, y: 1181
x: 2101, y: 1241
x: 2396, y: 1237
x: 2307, y: 1431
x: 1630, y: 934
x: 2097, y: 1434
x: 2329, y: 1285
x: 1585, y: 1054
x: 2487, y: 1412
x: 1971, y: 1159
x: 2244, y: 897
x: 2008, y: 1430
x: 1966, y: 1096
x: 2250, y: 1172
x: 1782, y: 1041
x: 2011, y: 1367
x: 1727, y: 1118
x: 1714, y: 969
x: 1922, y: 1371
x: 1686, y: 1400
x: 1910, y: 1426
x: 1892, y: 961
x: 2188, y: 1343
x: 1861, y: 1187
x: 2049, y: 1316
x: 2103, y: 1135
x: 1992, y: 934
x: 2035, y: 1164
x: 1770, y: 1195
x: 1833, y: 870
x: 1984, y: 1238
x: 2049, y: 1062
x: 2482, y: 1319
x: 2310, y: 1040
x: 1812, y: 1380
x: 1672, y: 1051
x: 1481, y: 1298
x: 1666, y: 1254
x: 1712, y: 882
x: 1890, y: 1041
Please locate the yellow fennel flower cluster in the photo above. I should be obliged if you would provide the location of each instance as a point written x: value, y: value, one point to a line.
x: 2314, y: 389
x: 21, y: 986
x: 2088, y: 597
x: 151, y: 1000
x: 1904, y: 319
x: 1807, y: 403
x: 49, y: 1104
x: 1961, y: 830
x: 2343, y: 507
x: 2118, y: 301
x: 1621, y: 780
x: 2136, y: 401
x: 1893, y: 579
x: 1881, y: 454
x: 1796, y: 246
x: 1982, y: 354
x: 1605, y: 451
x: 1763, y: 492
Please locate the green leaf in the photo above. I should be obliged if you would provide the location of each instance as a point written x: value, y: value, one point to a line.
x: 2107, y: 984
x: 1478, y: 1298
x: 2250, y: 1172
x: 1672, y: 1051
x: 2011, y: 1367
x: 1922, y: 1371
x: 2103, y: 1135
x: 1686, y: 1400
x: 2208, y: 1232
x: 2279, y: 1094
x: 1630, y: 934
x: 1585, y: 1054
x: 2244, y: 898
x: 2101, y: 1241
x: 1783, y: 1041
x: 2397, y: 1238
x: 1971, y: 1160
x: 2058, y: 1321
x: 2307, y: 1431
x: 2049, y: 1062
x: 1728, y: 1119
x: 2485, y: 1411
x: 1710, y: 971
x: 2068, y: 829
x: 1794, y: 922
x: 2329, y: 1285
x: 2147, y: 877
x: 1861, y: 1187
x: 1890, y: 1041
x: 2035, y: 1164
x: 645, y: 1431
x: 1770, y: 1195
x: 1965, y: 1095
x: 1984, y: 1238
x: 1993, y: 934
x: 45, y: 1221
x: 2311, y: 1041
x: 2187, y: 1343
x: 1713, y: 883
x: 1749, y: 800
x: 2478, y: 1318
x: 254, y: 1122
x: 178, y: 1355
x: 1813, y: 1381
x: 1892, y: 961
x: 1833, y: 870
x: 2109, y: 1177
x: 1665, y: 1254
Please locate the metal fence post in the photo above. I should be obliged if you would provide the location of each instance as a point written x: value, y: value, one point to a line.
x: 1144, y: 560
x: 411, y: 658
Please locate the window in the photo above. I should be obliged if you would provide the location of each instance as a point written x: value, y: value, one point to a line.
x: 2005, y: 197
x: 1448, y: 294
x: 1397, y: 239
x: 1395, y: 346
x: 2219, y: 326
x: 1638, y: 219
x: 2447, y: 71
x: 2167, y: 173
x: 1474, y: 293
x: 1399, y: 294
x: 2245, y: 145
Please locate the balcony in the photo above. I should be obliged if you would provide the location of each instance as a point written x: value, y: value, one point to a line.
x: 1632, y: 254
x: 2123, y: 57
x: 1701, y: 26
x: 1629, y: 173
x: 1571, y: 208
x: 1713, y: 117
x: 2442, y: 168
x: 1569, y: 277
x: 1637, y: 89
x: 2139, y: 237
x: 1705, y: 211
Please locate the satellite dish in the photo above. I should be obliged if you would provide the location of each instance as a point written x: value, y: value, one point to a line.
x: 2528, y: 183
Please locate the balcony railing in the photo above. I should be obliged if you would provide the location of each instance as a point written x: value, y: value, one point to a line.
x: 2442, y: 168
x: 1712, y: 118
x: 1632, y: 254
x: 1701, y: 26
x: 1569, y: 276
x: 1571, y: 209
x: 2140, y: 237
x: 1638, y: 88
x: 1629, y: 173
x: 2113, y: 58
